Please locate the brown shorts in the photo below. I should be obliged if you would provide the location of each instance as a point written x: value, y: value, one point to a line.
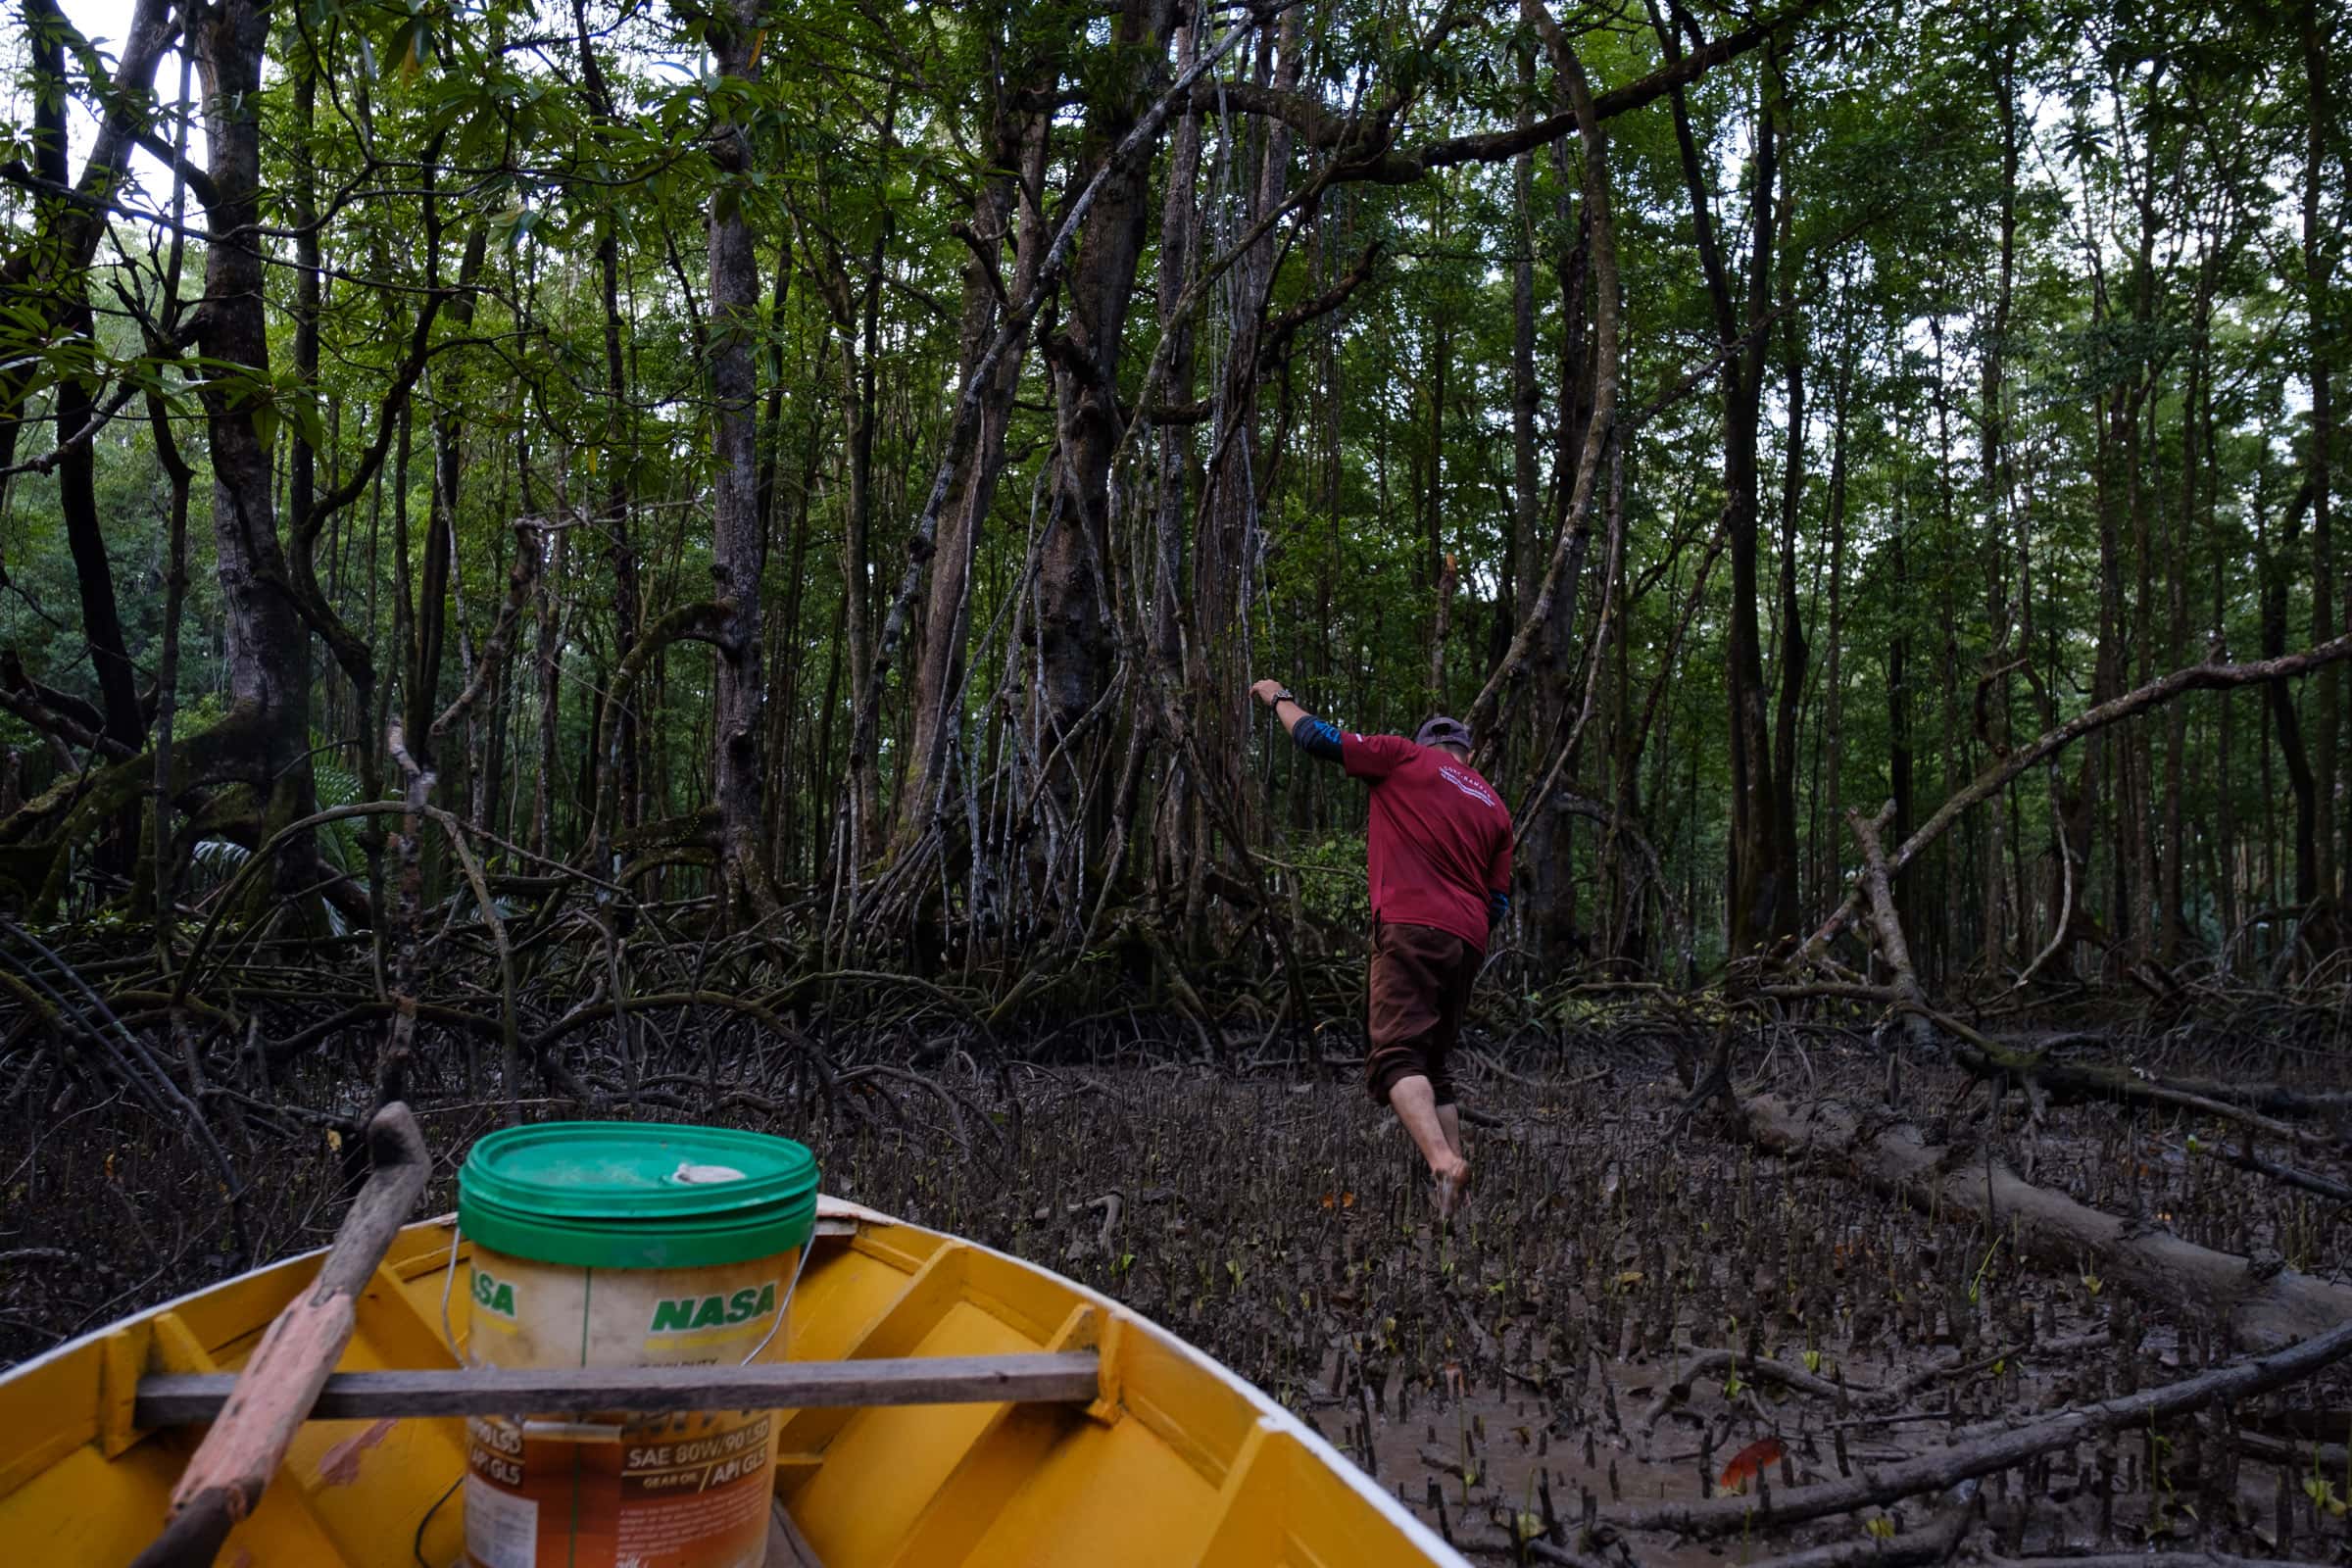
x: 1420, y: 987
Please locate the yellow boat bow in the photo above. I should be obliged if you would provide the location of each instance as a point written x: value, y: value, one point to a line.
x: 1176, y: 1460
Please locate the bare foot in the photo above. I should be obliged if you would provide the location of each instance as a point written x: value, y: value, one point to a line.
x: 1452, y: 1187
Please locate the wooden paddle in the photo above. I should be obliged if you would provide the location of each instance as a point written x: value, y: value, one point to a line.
x: 275, y: 1393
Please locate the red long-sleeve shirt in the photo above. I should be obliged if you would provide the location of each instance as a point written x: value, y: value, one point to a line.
x: 1439, y: 845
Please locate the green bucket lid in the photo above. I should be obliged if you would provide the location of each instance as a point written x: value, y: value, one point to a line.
x: 634, y: 1194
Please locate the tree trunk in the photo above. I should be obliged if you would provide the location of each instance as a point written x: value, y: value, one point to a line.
x: 1178, y: 864
x: 1795, y: 654
x: 1543, y: 845
x: 550, y: 647
x: 1440, y: 367
x: 1832, y: 719
x: 37, y: 277
x: 1229, y: 539
x: 1600, y: 431
x: 1074, y: 624
x: 1895, y: 949
x: 1760, y: 908
x: 181, y: 479
x: 1003, y: 203
x: 2171, y: 928
x: 2278, y: 568
x: 1992, y: 427
x: 2135, y: 839
x: 618, y: 461
x: 2324, y: 327
x: 859, y: 334
x: 1948, y: 868
x: 266, y: 662
x: 1547, y: 847
x: 76, y: 472
x: 738, y: 533
x: 1527, y: 476
x: 1898, y: 708
x: 434, y: 580
x: 1536, y: 853
x: 1440, y: 630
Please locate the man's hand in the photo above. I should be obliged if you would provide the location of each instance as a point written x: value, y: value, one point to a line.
x: 1267, y: 692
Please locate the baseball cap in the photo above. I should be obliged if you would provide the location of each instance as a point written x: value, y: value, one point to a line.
x: 1443, y: 731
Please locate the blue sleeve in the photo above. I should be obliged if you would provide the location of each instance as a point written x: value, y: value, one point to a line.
x: 1316, y: 738
x: 1499, y: 909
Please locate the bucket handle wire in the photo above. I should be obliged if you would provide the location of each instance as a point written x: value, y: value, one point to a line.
x: 449, y: 1277
x: 785, y: 1305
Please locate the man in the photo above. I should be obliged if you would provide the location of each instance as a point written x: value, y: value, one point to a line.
x: 1439, y: 848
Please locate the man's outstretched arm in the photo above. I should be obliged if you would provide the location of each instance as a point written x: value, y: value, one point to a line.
x: 1312, y: 735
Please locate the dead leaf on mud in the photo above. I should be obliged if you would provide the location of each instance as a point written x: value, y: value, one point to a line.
x: 1748, y: 1460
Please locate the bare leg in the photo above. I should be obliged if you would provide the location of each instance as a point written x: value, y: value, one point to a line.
x: 1449, y: 1118
x: 1416, y: 1105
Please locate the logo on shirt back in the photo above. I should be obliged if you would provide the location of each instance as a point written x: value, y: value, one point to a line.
x: 1469, y: 784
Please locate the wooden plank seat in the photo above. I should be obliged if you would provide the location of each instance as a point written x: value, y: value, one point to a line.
x: 1064, y: 1377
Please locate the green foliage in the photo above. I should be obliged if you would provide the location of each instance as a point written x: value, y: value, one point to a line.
x: 1331, y: 880
x: 2157, y: 162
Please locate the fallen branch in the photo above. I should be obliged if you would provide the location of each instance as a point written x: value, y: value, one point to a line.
x: 2066, y: 1081
x: 1934, y: 1544
x: 1879, y: 883
x: 2245, y: 1159
x: 2299, y: 1457
x: 1893, y: 1396
x: 2144, y: 1559
x: 2271, y: 1100
x: 1463, y: 1470
x: 1709, y: 1363
x: 1535, y: 1548
x: 1986, y: 1450
x: 1545, y: 1551
x: 2262, y: 1308
x: 1861, y: 1397
x: 1112, y: 1206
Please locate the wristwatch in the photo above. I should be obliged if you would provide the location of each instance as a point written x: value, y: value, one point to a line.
x: 1285, y: 695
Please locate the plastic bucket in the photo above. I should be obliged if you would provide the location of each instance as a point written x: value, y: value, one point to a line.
x: 615, y: 1244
